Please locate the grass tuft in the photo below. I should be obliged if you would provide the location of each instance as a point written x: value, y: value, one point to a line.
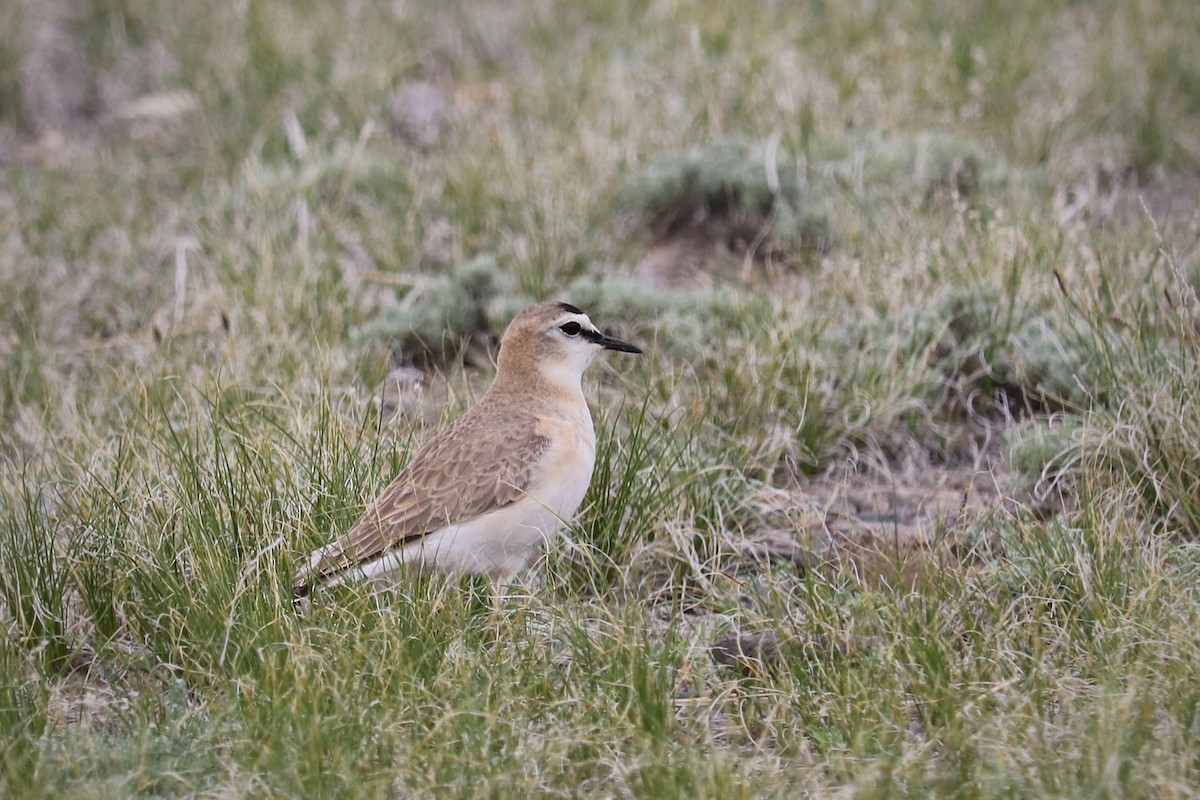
x: 36, y: 576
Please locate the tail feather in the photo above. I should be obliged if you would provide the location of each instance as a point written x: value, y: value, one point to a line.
x: 310, y: 575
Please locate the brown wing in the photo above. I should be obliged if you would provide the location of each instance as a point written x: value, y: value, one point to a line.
x: 459, y: 475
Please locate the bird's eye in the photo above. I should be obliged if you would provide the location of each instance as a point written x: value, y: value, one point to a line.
x: 570, y: 328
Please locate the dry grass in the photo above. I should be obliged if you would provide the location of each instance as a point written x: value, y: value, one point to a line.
x: 860, y: 244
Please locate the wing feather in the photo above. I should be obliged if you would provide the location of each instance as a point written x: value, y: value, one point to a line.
x: 457, y: 476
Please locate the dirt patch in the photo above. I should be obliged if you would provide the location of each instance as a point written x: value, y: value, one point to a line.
x: 690, y: 262
x: 887, y: 528
x: 1124, y: 199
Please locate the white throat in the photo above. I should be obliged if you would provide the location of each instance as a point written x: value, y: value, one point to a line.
x: 567, y: 373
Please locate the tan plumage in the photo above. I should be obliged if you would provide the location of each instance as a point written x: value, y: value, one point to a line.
x: 486, y: 491
x: 443, y: 485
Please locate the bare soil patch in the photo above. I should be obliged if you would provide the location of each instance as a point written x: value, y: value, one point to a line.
x: 893, y: 528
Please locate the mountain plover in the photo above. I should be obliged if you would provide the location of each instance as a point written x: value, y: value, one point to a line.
x: 482, y: 495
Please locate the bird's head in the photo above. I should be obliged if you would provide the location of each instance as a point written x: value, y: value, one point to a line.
x: 555, y: 341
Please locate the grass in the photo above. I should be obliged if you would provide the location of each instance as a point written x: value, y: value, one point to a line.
x: 944, y: 241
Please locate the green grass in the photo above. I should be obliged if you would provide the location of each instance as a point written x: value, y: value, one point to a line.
x: 940, y: 248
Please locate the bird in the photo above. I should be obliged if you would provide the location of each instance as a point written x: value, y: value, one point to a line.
x: 503, y: 479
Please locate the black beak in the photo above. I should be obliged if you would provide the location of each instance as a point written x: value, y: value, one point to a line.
x: 609, y: 343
